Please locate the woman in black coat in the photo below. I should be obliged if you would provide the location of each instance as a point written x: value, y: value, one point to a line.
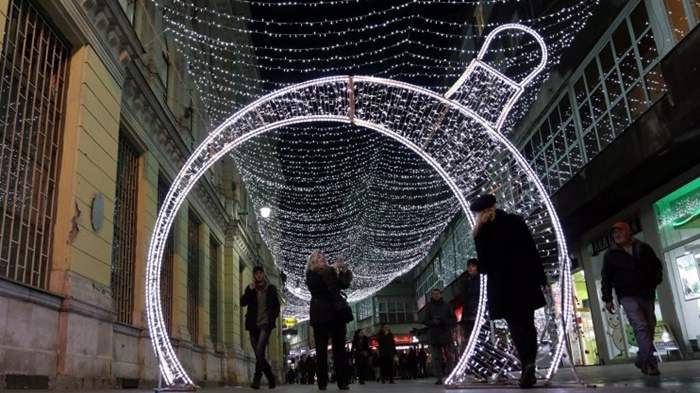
x: 323, y: 280
x: 360, y: 352
x: 508, y: 256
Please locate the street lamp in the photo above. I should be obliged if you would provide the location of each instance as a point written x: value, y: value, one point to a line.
x: 265, y: 212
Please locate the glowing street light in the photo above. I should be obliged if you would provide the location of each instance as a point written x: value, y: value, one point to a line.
x: 265, y: 212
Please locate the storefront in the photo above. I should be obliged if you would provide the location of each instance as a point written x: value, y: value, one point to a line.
x: 668, y: 219
x: 678, y: 221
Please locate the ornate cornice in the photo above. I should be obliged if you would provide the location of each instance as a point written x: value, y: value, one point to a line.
x: 113, y: 38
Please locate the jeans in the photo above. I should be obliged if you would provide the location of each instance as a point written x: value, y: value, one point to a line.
x: 258, y: 339
x: 640, y: 314
x: 437, y: 351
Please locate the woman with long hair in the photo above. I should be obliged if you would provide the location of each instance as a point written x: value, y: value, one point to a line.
x: 324, y: 281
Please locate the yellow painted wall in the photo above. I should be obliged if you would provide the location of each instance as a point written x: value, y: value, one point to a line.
x: 88, y: 167
x: 146, y: 218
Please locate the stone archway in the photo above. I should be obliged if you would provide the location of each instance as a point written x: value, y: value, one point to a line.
x: 457, y: 134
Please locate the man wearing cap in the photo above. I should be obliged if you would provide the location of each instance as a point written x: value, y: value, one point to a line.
x: 508, y: 256
x: 633, y: 269
x: 263, y: 310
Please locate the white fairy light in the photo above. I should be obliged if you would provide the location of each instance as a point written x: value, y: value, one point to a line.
x: 405, y: 45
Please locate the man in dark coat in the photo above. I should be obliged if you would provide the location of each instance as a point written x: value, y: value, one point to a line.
x: 387, y: 350
x: 508, y: 256
x: 263, y: 310
x: 440, y: 319
x: 633, y: 269
x: 471, y: 286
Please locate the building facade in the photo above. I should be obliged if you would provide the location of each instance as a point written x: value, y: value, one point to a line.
x: 614, y: 135
x: 98, y: 115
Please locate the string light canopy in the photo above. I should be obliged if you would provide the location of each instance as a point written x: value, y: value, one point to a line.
x: 239, y: 50
x: 457, y: 134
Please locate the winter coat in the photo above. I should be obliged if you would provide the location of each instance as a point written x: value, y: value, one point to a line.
x: 439, y: 332
x: 508, y: 256
x: 322, y: 281
x: 630, y: 275
x: 250, y: 299
x: 470, y: 293
x: 386, y: 344
x: 360, y: 348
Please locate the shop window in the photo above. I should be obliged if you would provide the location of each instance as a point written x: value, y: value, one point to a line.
x: 559, y: 144
x: 655, y: 83
x: 621, y: 40
x: 647, y: 50
x: 677, y: 18
x: 580, y: 91
x: 565, y: 108
x: 592, y: 75
x: 678, y: 214
x: 607, y: 58
x: 639, y: 19
x: 620, y: 116
x: 586, y: 116
x: 550, y: 157
x: 678, y: 221
x: 637, y: 101
x: 590, y: 143
x: 599, y: 105
x: 629, y: 69
x: 605, y: 131
x: 613, y: 86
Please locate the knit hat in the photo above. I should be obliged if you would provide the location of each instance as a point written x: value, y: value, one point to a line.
x: 483, y: 202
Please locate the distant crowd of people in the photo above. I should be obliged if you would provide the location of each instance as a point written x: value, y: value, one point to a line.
x: 366, y: 365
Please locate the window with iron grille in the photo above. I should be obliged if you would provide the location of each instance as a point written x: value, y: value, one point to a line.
x: 213, y: 290
x: 124, y: 242
x: 33, y: 72
x: 166, y: 267
x: 193, y: 276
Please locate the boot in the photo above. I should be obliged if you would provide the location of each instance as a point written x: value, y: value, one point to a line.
x: 271, y: 381
x: 527, y: 377
x: 256, y: 383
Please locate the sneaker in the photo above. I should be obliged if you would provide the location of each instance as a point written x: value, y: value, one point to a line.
x: 653, y: 369
x: 321, y: 388
x: 439, y: 381
x: 272, y: 383
x: 255, y: 385
x: 528, y: 378
x: 344, y: 387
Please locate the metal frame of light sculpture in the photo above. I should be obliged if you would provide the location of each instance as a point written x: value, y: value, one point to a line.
x: 337, y: 101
